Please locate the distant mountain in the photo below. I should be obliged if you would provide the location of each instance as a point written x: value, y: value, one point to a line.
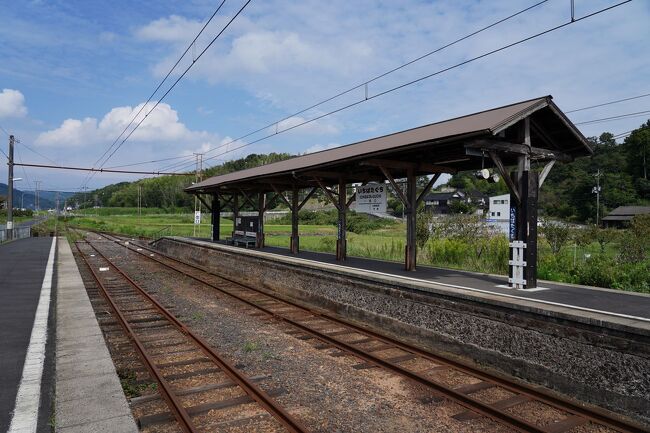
x: 28, y: 198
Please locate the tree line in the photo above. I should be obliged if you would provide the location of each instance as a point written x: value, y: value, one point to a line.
x: 566, y: 194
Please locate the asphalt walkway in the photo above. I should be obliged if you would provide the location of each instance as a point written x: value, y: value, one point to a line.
x: 22, y: 270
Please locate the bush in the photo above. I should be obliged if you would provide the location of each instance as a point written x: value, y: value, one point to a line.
x: 356, y: 222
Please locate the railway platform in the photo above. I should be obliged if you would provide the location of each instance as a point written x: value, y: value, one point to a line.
x: 89, y: 397
x: 55, y: 369
x: 589, y: 302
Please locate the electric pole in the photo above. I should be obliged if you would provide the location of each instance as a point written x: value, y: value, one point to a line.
x: 37, y: 203
x: 10, y: 192
x: 596, y: 190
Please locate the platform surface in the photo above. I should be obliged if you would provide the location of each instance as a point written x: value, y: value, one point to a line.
x: 22, y: 268
x: 89, y: 396
x: 622, y: 303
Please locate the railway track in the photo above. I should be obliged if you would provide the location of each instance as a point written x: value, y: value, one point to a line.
x: 171, y: 353
x: 422, y: 367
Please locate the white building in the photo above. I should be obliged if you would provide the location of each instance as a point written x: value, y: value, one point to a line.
x: 499, y: 207
x: 499, y: 212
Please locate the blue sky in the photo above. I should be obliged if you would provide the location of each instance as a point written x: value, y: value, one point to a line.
x: 72, y: 72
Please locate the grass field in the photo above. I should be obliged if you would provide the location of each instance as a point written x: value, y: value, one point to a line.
x: 581, y: 265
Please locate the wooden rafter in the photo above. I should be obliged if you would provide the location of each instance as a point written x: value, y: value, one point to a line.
x: 398, y: 190
x: 248, y: 199
x: 328, y: 192
x: 304, y: 201
x: 202, y: 200
x: 519, y: 149
x: 505, y: 174
x: 281, y: 195
x: 352, y: 198
x: 427, y: 188
x: 545, y: 171
x: 405, y: 165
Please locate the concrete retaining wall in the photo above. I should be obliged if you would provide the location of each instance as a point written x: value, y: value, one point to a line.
x: 585, y: 357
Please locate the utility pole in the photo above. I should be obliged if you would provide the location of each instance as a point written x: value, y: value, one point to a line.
x: 37, y: 202
x: 596, y: 190
x: 10, y: 192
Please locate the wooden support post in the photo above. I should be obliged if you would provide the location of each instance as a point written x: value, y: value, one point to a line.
x: 261, y: 207
x: 411, y: 215
x: 294, y: 243
x: 216, y: 216
x: 523, y: 227
x: 341, y: 241
x: 235, y: 212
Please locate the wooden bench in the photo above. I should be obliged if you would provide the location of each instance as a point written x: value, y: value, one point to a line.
x: 243, y: 240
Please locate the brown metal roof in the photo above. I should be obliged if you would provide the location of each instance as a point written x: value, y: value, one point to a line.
x: 432, y: 143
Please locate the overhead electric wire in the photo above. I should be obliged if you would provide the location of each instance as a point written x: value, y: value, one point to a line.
x: 409, y: 83
x: 4, y: 130
x: 177, y: 80
x: 39, y: 154
x: 163, y: 80
x: 619, y: 117
x: 88, y: 178
x: 152, y: 161
x: 23, y: 169
x: 607, y: 103
x: 377, y: 77
x: 100, y: 170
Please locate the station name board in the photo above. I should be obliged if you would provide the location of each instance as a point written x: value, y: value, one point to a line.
x: 371, y: 198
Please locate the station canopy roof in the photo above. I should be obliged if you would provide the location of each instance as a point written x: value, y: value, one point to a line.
x: 449, y: 146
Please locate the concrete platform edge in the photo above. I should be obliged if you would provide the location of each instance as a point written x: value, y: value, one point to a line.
x: 605, y: 320
x: 88, y: 394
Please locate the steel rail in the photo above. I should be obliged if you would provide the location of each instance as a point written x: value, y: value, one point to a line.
x: 261, y: 397
x: 591, y: 414
x: 464, y: 400
x: 175, y: 405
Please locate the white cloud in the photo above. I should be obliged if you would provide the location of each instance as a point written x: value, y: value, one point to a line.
x: 162, y: 127
x: 12, y: 103
x: 173, y: 29
x: 319, y: 147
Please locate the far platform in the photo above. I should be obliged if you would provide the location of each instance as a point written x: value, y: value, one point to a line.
x: 626, y: 306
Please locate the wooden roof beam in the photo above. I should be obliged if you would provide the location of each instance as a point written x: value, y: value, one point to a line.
x: 405, y: 165
x: 519, y: 149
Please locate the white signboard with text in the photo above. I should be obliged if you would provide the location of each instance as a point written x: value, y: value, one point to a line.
x: 371, y: 198
x: 197, y: 217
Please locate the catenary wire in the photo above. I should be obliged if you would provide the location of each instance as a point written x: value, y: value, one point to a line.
x: 177, y: 81
x: 91, y: 174
x: 375, y: 78
x: 607, y: 103
x: 365, y: 83
x: 409, y: 83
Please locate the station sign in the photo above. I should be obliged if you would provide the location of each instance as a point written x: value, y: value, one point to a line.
x: 371, y: 198
x: 197, y: 217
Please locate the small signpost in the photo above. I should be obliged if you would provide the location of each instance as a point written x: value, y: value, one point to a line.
x: 371, y: 198
x: 197, y: 217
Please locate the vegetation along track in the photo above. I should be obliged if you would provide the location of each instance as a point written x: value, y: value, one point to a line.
x: 152, y: 327
x: 413, y: 363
